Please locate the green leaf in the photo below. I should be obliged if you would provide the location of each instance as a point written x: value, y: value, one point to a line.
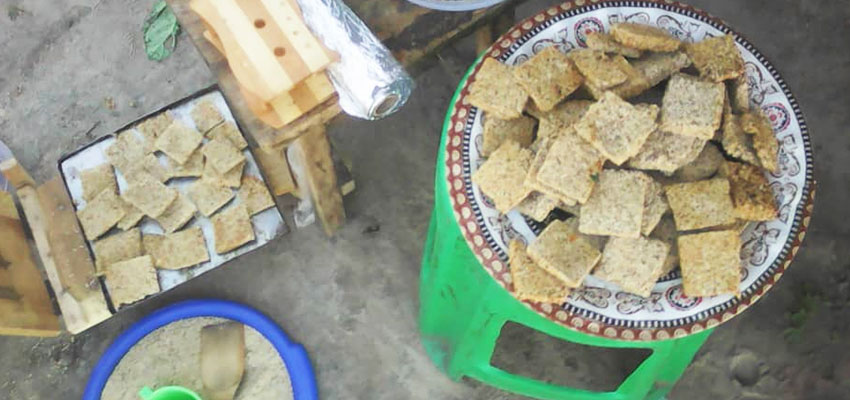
x: 160, y: 32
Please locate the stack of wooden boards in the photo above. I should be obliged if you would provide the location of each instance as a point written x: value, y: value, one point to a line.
x: 620, y: 168
x: 277, y: 61
x: 202, y: 177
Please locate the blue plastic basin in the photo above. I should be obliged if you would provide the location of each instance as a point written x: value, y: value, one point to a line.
x: 293, y: 354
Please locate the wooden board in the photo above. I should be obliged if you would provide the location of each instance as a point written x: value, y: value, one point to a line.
x: 25, y: 306
x: 302, y: 98
x: 410, y: 32
x: 65, y: 257
x: 312, y: 164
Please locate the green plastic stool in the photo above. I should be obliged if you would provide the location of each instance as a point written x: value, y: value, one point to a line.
x: 463, y: 309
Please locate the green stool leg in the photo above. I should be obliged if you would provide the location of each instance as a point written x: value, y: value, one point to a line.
x: 444, y: 286
x: 463, y: 311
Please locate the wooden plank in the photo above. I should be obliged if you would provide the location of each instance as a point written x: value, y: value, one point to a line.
x: 312, y: 164
x: 344, y: 175
x: 286, y: 107
x: 25, y: 306
x: 412, y: 33
x: 262, y: 111
x: 64, y: 255
x: 302, y: 98
x: 312, y: 91
x: 76, y: 266
x: 483, y: 38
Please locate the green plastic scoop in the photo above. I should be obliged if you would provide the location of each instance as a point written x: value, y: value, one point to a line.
x: 168, y: 393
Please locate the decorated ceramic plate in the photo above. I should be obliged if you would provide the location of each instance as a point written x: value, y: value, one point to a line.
x: 599, y: 307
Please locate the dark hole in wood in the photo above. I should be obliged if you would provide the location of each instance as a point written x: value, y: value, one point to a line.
x: 524, y: 351
x: 279, y: 51
x: 8, y: 293
x: 259, y: 23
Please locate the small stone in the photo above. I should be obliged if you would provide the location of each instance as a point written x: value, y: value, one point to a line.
x: 13, y: 12
x: 372, y: 228
x: 745, y: 368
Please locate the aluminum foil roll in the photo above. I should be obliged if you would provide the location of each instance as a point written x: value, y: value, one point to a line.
x: 370, y: 82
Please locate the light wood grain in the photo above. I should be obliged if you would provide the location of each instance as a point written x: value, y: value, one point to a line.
x: 63, y: 254
x: 266, y: 44
x: 287, y: 16
x: 252, y: 62
x: 289, y: 106
x: 311, y: 161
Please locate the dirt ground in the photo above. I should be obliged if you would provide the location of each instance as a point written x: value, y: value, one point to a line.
x: 74, y: 70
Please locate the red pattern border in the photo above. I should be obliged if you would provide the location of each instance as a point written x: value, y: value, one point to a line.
x: 499, y: 270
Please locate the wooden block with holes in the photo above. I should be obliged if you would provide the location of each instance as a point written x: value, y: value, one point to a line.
x: 289, y: 106
x: 277, y: 61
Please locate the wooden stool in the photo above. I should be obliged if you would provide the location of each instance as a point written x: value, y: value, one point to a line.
x: 281, y: 151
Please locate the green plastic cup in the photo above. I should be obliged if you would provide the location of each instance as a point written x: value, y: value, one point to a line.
x: 168, y: 393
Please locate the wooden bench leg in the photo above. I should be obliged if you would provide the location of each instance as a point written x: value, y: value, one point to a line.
x: 312, y: 165
x: 487, y: 34
x: 504, y: 21
x: 276, y: 169
x: 483, y: 38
